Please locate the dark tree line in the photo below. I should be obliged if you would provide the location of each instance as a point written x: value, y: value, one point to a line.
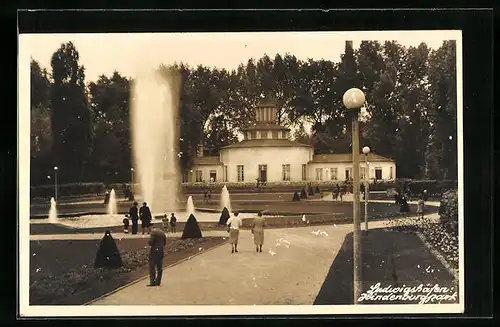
x: 410, y: 113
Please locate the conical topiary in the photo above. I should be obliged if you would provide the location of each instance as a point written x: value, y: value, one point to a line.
x: 224, y: 216
x: 191, y: 229
x: 311, y: 191
x: 317, y: 190
x: 107, y: 255
x: 296, y: 196
x: 303, y: 193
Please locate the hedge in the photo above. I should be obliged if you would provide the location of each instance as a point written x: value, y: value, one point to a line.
x: 47, y: 191
x: 433, y: 187
x: 448, y: 209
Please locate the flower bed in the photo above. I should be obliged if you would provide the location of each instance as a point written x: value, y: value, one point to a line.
x: 435, y: 234
x: 58, y: 276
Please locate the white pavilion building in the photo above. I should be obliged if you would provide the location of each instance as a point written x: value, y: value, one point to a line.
x: 266, y: 153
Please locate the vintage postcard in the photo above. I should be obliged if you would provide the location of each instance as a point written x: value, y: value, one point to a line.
x: 240, y: 173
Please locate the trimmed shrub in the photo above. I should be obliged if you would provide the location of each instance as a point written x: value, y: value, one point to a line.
x: 296, y: 196
x: 448, y: 210
x: 224, y: 217
x: 317, y: 190
x: 310, y: 191
x: 47, y: 191
x: 191, y: 229
x: 303, y: 193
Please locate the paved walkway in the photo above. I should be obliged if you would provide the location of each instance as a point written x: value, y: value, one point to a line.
x: 290, y: 271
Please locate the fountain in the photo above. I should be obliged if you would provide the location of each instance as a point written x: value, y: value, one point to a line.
x: 190, y: 206
x: 112, y: 206
x: 225, y: 201
x: 154, y: 126
x: 52, y: 211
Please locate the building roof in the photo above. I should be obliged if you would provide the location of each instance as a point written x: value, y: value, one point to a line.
x: 347, y: 157
x: 264, y: 126
x: 207, y: 161
x: 266, y: 143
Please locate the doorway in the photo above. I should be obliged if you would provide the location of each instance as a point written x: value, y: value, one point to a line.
x: 263, y: 173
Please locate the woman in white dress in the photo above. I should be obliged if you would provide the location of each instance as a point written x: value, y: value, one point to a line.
x: 233, y: 227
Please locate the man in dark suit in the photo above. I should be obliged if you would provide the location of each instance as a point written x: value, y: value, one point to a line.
x: 157, y: 242
x: 134, y: 215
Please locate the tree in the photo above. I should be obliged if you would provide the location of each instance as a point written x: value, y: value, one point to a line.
x: 41, y: 131
x: 71, y: 123
x: 441, y: 153
x: 111, y: 146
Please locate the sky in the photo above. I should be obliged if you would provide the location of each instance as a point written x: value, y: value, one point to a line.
x: 130, y: 53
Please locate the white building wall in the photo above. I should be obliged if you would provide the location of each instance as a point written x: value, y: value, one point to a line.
x: 273, y: 157
x: 206, y: 172
x: 341, y: 168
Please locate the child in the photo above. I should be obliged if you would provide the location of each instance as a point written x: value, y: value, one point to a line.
x: 165, y: 222
x: 126, y: 223
x: 420, y: 208
x: 173, y: 221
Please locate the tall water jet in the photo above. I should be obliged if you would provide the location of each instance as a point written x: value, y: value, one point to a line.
x: 155, y: 129
x: 52, y: 211
x: 112, y: 206
x: 190, y: 206
x: 225, y: 201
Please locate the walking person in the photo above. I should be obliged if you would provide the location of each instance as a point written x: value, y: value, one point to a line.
x: 134, y: 216
x: 157, y: 242
x: 420, y: 208
x: 258, y: 225
x: 233, y: 227
x: 173, y: 222
x: 146, y: 217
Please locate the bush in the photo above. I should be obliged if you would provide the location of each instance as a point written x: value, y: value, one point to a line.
x: 448, y: 209
x: 296, y: 196
x: 47, y: 191
x: 303, y: 193
x: 317, y: 190
x: 433, y: 187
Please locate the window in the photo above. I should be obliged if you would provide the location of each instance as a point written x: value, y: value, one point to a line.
x: 263, y: 135
x: 378, y: 173
x: 390, y: 173
x: 348, y: 173
x: 283, y: 135
x: 362, y: 173
x: 241, y: 176
x: 319, y: 174
x: 213, y: 176
x: 199, y: 176
x: 253, y: 135
x: 286, y: 172
x: 275, y: 135
x: 304, y: 172
x: 249, y: 135
x: 225, y: 173
x: 333, y: 174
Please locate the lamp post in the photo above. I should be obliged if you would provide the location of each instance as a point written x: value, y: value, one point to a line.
x: 353, y: 100
x: 132, y: 180
x: 55, y: 182
x: 366, y: 150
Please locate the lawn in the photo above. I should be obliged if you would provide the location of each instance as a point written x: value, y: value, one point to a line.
x: 61, y: 272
